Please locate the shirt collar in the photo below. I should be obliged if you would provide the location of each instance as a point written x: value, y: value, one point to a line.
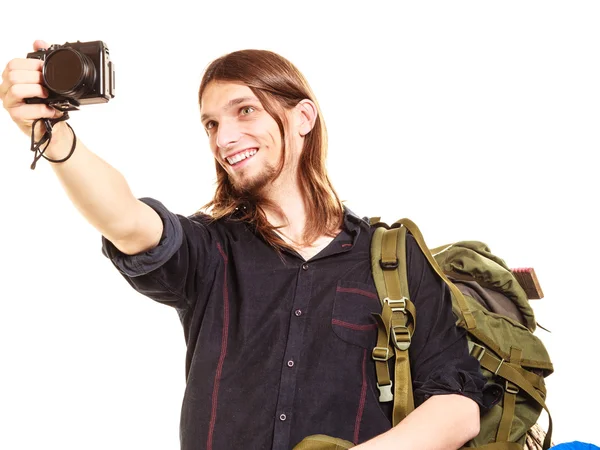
x: 353, y: 223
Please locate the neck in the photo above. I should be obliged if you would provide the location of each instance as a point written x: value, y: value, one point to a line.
x: 289, y: 211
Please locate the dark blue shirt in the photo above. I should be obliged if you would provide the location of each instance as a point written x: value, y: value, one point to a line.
x: 279, y: 348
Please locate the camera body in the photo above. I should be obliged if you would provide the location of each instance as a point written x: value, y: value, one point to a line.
x: 76, y: 73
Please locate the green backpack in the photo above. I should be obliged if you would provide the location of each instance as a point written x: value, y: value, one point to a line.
x: 490, y: 304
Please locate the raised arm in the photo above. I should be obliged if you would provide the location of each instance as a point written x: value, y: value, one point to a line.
x: 98, y: 190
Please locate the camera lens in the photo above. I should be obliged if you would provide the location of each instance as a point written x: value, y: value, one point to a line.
x: 69, y: 72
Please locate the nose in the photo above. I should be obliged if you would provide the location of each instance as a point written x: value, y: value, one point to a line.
x: 228, y: 133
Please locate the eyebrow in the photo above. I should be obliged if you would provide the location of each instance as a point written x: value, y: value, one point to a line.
x: 230, y: 104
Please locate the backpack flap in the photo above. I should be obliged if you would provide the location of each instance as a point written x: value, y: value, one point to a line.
x: 500, y: 334
x: 473, y: 260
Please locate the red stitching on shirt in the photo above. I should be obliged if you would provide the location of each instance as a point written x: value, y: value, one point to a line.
x: 346, y: 245
x: 363, y: 396
x: 358, y: 291
x: 222, y: 253
x: 213, y: 414
x: 353, y: 326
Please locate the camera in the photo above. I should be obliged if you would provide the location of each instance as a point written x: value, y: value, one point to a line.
x: 76, y: 73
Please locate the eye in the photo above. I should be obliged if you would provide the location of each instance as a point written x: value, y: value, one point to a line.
x: 247, y: 110
x: 210, y: 124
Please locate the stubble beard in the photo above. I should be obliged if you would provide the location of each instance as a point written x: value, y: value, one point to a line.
x: 253, y: 187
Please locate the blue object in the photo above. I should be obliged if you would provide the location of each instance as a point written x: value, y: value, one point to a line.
x: 575, y: 445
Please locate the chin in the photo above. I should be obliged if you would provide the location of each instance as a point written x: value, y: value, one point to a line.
x: 253, y: 185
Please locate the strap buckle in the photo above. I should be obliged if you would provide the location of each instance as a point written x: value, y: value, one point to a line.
x: 401, y: 337
x: 385, y: 392
x: 498, y: 368
x: 381, y: 354
x: 396, y: 305
x: 511, y: 388
x: 388, y: 265
x: 476, y: 350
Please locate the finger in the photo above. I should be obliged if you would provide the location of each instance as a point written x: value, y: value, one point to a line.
x: 19, y: 66
x: 13, y: 77
x: 39, y: 44
x: 23, y: 64
x: 32, y: 112
x: 17, y: 92
x: 24, y: 77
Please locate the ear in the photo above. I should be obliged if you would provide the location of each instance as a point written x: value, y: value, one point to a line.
x: 307, y: 113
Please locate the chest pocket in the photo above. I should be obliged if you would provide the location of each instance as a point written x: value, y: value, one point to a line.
x: 352, y: 319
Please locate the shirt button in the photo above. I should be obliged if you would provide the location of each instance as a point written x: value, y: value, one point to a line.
x: 282, y: 417
x: 290, y: 363
x: 298, y: 313
x: 305, y: 266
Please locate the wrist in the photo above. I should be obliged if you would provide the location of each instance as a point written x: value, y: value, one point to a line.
x: 61, y: 142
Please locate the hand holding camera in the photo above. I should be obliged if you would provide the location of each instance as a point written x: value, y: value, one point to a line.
x: 51, y: 81
x: 22, y: 79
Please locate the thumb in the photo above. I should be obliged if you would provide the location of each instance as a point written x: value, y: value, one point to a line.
x: 40, y: 44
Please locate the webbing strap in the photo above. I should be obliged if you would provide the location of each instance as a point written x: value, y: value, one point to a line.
x: 393, y: 260
x: 510, y: 400
x: 458, y: 296
x: 397, y: 321
x: 404, y: 402
x: 381, y: 354
x: 393, y: 256
x: 383, y: 351
x: 507, y: 371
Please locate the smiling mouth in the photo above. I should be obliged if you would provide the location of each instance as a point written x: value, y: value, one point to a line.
x: 241, y: 156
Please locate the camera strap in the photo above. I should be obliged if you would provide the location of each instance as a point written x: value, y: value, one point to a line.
x: 36, y: 147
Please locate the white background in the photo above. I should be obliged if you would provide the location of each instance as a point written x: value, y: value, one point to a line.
x: 476, y: 119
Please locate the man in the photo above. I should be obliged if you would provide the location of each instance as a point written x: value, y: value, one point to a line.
x: 274, y: 287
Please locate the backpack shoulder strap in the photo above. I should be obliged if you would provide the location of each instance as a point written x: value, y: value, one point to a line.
x: 464, y: 311
x: 397, y: 321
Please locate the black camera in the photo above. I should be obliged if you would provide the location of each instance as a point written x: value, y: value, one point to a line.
x: 76, y: 73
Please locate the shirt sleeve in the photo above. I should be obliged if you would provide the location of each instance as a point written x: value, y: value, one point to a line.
x: 440, y: 360
x: 168, y: 273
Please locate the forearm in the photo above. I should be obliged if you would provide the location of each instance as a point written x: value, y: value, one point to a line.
x: 443, y: 422
x: 98, y: 191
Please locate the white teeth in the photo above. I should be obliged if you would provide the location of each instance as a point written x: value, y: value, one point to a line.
x: 241, y: 156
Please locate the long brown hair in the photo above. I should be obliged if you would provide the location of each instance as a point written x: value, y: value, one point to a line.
x: 278, y: 84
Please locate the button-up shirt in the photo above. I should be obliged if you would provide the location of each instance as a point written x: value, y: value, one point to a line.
x: 279, y: 348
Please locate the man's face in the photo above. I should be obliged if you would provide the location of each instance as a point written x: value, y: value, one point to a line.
x: 244, y: 138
